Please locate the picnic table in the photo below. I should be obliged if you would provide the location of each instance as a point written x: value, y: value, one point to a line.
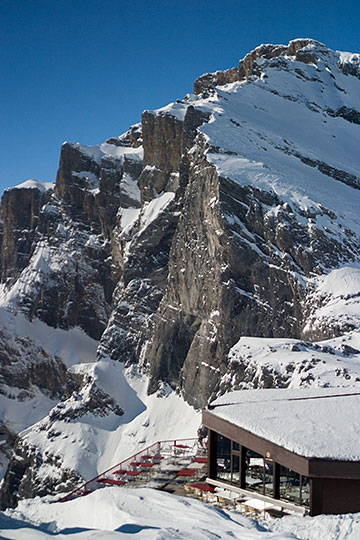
x: 157, y: 459
x: 196, y: 465
x: 257, y: 505
x: 200, y: 486
x: 111, y: 481
x: 181, y: 448
x: 200, y: 459
x: 186, y: 472
x: 146, y: 465
x: 132, y: 473
x: 226, y: 496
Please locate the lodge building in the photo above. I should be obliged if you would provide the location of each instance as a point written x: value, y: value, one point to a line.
x: 297, y: 449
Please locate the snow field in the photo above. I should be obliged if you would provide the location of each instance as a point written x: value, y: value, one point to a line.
x: 116, y: 513
x: 143, y: 513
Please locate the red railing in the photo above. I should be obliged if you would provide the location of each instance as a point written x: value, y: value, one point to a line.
x: 165, y: 448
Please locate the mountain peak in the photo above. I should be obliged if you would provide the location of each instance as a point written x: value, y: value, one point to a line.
x: 305, y: 50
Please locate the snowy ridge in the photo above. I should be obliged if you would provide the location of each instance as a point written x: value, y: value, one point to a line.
x: 292, y: 363
x: 35, y: 184
x: 248, y: 142
x: 176, y: 109
x: 253, y: 136
x: 98, y: 152
x: 335, y: 298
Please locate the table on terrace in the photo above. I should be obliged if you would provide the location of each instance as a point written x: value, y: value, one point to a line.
x: 132, y: 473
x: 200, y: 459
x: 111, y: 481
x: 200, y: 486
x: 258, y: 505
x: 146, y: 465
x: 186, y: 472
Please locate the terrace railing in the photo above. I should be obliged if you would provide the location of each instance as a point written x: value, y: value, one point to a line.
x: 161, y: 449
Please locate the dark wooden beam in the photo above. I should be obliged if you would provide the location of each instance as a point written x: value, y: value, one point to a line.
x: 212, y: 447
x: 276, y: 481
x: 242, y: 466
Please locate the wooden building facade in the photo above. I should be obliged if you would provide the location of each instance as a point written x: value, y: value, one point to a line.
x: 258, y: 467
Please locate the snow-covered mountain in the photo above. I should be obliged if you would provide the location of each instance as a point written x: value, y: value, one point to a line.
x: 214, y: 246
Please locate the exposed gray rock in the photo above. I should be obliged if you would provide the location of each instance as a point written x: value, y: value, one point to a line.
x: 249, y: 67
x: 23, y: 481
x: 20, y: 209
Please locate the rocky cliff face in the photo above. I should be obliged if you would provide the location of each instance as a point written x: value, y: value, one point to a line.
x: 223, y: 215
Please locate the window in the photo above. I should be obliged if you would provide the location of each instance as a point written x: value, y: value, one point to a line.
x: 228, y: 460
x: 248, y: 469
x: 269, y: 478
x: 223, y: 458
x: 294, y: 487
x: 235, y: 469
x: 305, y: 491
x: 255, y: 473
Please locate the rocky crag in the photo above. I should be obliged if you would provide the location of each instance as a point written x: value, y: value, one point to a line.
x: 230, y: 213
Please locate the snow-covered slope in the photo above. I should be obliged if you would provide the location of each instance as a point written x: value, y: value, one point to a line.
x: 116, y: 513
x: 104, y: 417
x: 143, y: 513
x: 101, y: 436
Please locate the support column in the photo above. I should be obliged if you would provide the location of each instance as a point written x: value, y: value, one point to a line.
x: 212, y: 458
x: 242, y: 466
x: 316, y: 495
x: 276, y: 481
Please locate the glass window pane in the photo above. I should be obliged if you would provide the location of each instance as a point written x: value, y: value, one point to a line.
x: 254, y: 473
x: 305, y: 491
x: 269, y: 478
x: 223, y: 461
x: 289, y: 485
x: 235, y: 469
x: 236, y: 446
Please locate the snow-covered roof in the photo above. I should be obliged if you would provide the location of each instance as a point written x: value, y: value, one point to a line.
x: 313, y: 422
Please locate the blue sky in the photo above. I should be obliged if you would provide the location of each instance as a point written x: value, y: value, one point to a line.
x: 84, y: 70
